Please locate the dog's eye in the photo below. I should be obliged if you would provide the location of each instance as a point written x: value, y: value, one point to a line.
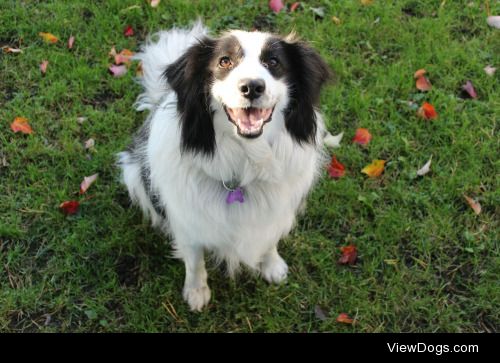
x: 273, y: 62
x: 225, y: 62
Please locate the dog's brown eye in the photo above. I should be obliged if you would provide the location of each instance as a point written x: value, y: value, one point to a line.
x: 225, y: 62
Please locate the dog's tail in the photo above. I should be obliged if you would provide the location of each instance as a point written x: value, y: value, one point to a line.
x: 156, y: 54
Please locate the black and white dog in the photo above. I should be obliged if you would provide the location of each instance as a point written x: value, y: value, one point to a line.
x: 231, y: 148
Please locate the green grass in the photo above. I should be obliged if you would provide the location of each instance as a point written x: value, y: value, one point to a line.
x: 427, y: 262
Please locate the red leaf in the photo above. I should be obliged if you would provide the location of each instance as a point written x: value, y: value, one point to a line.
x: 349, y: 255
x: 423, y: 84
x: 344, y: 318
x: 71, y: 41
x: 276, y: 5
x: 476, y: 207
x: 128, y: 31
x: 469, y: 89
x: 43, y: 66
x: 336, y: 169
x: 294, y: 6
x: 70, y: 207
x: 20, y: 124
x: 362, y: 136
x: 427, y: 111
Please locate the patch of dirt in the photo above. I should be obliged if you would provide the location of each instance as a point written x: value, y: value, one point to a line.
x: 127, y: 269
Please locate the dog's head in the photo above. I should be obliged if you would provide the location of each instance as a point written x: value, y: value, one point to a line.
x: 250, y: 79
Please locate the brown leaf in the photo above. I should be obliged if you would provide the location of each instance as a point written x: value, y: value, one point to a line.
x: 476, y: 207
x: 345, y: 319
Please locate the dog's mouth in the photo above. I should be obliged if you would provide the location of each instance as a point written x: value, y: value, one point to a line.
x: 249, y: 121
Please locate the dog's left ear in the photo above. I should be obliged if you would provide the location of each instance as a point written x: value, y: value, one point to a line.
x: 189, y: 76
x: 307, y: 74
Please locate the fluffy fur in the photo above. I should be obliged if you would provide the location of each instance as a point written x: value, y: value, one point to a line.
x: 208, y: 99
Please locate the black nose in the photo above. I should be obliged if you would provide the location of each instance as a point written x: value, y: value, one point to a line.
x: 252, y: 88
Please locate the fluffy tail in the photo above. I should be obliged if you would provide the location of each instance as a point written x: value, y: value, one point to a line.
x: 160, y: 50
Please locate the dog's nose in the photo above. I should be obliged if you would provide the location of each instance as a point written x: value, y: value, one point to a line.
x: 252, y: 88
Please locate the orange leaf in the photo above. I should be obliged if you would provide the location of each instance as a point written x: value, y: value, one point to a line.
x: 476, y: 207
x: 69, y: 207
x: 123, y: 57
x: 375, y: 169
x: 344, y: 318
x: 419, y: 73
x: 336, y: 169
x: 362, y: 136
x: 48, y: 38
x: 349, y: 255
x: 21, y: 124
x: 423, y: 84
x: 427, y: 111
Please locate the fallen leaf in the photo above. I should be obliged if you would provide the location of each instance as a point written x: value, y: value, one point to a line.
x: 81, y: 119
x: 20, y: 124
x: 117, y: 71
x: 90, y: 143
x: 112, y: 52
x: 11, y: 50
x: 71, y: 41
x: 87, y: 182
x: 476, y: 207
x: 427, y: 111
x: 319, y: 12
x: 349, y: 255
x: 69, y: 207
x: 155, y: 3
x: 48, y: 37
x: 425, y: 169
x: 333, y: 141
x: 276, y: 5
x: 362, y: 136
x: 139, y: 71
x: 423, y: 84
x: 375, y: 169
x: 43, y: 66
x: 344, y: 318
x: 419, y: 73
x: 336, y: 169
x: 319, y: 313
x: 489, y: 70
x: 336, y: 20
x: 294, y: 6
x: 123, y: 57
x: 468, y: 87
x: 493, y: 21
x: 367, y: 2
x: 128, y: 31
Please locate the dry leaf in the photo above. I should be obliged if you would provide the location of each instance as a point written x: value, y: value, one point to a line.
x: 81, y: 119
x: 87, y: 182
x: 117, y: 71
x: 375, y: 169
x: 362, y: 136
x: 336, y: 20
x: 123, y: 57
x: 336, y: 169
x: 427, y: 111
x: 154, y: 3
x: 489, y: 70
x: 493, y: 21
x: 294, y: 6
x: 419, y: 73
x: 423, y: 84
x: 468, y: 88
x: 367, y: 2
x: 476, y: 207
x: 139, y: 72
x: 90, y: 143
x: 69, y: 207
x: 333, y: 141
x: 20, y: 124
x: 71, y: 41
x: 43, y: 66
x: 349, y: 255
x: 344, y: 318
x: 425, y: 169
x: 319, y: 313
x: 48, y: 38
x: 276, y: 5
x: 11, y: 50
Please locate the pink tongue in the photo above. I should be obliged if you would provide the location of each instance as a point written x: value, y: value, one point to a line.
x: 250, y: 118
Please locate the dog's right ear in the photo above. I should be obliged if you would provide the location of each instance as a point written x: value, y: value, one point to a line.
x: 190, y: 76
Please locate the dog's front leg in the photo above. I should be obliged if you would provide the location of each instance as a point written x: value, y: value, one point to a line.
x: 196, y: 291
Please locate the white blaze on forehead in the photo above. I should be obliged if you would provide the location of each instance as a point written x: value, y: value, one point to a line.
x: 251, y: 42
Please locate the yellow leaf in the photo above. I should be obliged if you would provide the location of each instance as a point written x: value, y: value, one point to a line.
x: 48, y: 38
x: 367, y: 2
x: 375, y: 169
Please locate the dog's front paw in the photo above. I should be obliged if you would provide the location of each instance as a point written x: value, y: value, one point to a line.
x: 196, y: 297
x: 274, y: 269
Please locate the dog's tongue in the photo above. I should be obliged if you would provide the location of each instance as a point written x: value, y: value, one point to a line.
x: 249, y: 120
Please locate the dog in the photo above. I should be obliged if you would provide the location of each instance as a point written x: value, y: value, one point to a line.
x: 231, y: 148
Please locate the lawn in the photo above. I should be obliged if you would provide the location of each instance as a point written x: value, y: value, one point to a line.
x: 427, y: 262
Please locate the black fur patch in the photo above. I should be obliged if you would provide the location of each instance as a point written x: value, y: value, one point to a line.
x: 306, y: 72
x: 190, y: 77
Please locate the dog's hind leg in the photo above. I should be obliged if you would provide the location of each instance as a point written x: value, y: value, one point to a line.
x: 196, y: 291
